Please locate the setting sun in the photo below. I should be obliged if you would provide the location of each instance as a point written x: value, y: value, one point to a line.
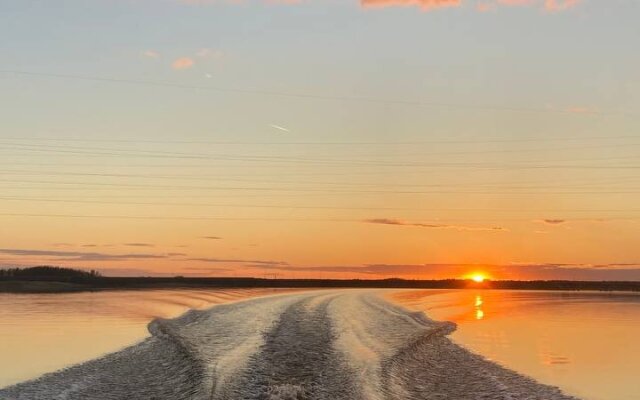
x: 478, y: 278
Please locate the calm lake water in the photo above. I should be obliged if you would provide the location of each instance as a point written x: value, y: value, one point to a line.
x: 587, y: 343
x: 42, y: 333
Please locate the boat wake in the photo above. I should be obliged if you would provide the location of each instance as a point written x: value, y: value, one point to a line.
x: 324, y: 345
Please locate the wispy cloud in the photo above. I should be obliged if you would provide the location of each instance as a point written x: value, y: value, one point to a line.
x: 205, y: 270
x: 280, y: 128
x: 235, y: 260
x: 136, y: 272
x: 232, y: 2
x: 183, y: 63
x: 553, y: 221
x: 480, y: 6
x: 396, y: 222
x: 560, y: 5
x: 79, y: 255
x: 424, y: 5
x: 139, y: 244
x: 547, y: 5
x: 212, y: 237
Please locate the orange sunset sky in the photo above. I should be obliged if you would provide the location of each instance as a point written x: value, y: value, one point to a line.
x: 372, y: 139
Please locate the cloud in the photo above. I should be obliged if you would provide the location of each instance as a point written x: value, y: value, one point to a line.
x: 139, y: 244
x: 560, y: 5
x: 484, y: 7
x: 424, y: 5
x: 234, y: 260
x: 79, y: 255
x: 278, y: 127
x: 553, y: 221
x: 212, y: 237
x: 480, y: 6
x: 207, y: 269
x: 387, y: 221
x: 547, y: 5
x: 150, y: 54
x: 551, y: 6
x: 183, y: 63
x: 135, y: 272
x: 206, y: 2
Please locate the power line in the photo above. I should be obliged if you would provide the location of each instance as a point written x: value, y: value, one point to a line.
x: 312, y: 207
x: 217, y: 218
x: 136, y: 152
x: 325, y: 162
x: 373, y: 143
x: 315, y: 190
x: 307, y: 182
x: 309, y: 96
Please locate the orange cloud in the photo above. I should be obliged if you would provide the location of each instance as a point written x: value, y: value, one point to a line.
x: 548, y: 5
x: 560, y: 5
x: 516, y: 2
x: 484, y: 7
x: 423, y: 4
x: 205, y: 2
x: 183, y: 63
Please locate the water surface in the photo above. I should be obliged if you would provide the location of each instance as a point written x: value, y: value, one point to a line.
x: 587, y: 343
x: 42, y: 333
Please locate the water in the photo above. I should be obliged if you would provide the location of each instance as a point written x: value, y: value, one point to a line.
x: 321, y: 345
x: 586, y: 343
x: 42, y: 333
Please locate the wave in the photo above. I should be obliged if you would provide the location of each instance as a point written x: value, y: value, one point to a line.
x: 324, y: 345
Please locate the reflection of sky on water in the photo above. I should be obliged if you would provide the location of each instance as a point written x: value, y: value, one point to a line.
x: 583, y: 342
x: 44, y: 332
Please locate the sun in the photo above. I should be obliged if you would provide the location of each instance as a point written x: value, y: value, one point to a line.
x: 478, y: 277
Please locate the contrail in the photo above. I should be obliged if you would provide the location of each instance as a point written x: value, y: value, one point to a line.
x: 281, y: 128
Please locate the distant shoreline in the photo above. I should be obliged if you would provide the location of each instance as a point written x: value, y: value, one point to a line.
x: 74, y: 284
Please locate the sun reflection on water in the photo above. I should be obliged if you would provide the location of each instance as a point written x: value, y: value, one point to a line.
x: 478, y: 305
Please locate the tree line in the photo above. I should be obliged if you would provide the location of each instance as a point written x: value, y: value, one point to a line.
x: 48, y: 272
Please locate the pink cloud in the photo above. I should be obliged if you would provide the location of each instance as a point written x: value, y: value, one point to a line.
x: 516, y: 2
x: 423, y: 4
x: 204, y: 2
x: 484, y: 7
x: 183, y: 63
x: 548, y: 5
x: 560, y: 5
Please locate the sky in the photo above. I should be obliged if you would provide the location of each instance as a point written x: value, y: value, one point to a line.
x: 316, y: 139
